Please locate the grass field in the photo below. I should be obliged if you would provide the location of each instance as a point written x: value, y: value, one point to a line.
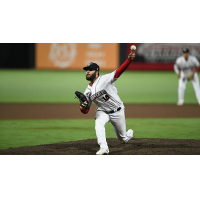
x: 32, y: 86
x: 17, y: 133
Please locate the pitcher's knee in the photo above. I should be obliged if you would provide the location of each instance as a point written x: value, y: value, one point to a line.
x: 99, y: 123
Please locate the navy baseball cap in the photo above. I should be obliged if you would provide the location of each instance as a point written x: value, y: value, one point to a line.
x: 92, y: 66
x: 186, y: 50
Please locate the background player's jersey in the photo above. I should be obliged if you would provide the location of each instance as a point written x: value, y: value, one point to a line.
x: 104, y: 93
x: 186, y: 66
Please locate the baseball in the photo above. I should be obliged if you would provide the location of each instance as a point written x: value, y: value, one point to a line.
x: 133, y: 47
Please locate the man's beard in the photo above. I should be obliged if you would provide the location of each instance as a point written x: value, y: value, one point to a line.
x: 91, y: 78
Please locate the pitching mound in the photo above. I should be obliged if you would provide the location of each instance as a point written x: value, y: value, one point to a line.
x: 134, y: 147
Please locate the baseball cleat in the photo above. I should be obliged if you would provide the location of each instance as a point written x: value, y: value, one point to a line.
x: 179, y: 104
x: 130, y: 136
x: 131, y: 132
x: 102, y: 151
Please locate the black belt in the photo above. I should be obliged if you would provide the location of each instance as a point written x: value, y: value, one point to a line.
x: 112, y: 111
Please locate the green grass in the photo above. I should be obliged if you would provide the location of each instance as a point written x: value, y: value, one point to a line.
x: 34, y: 86
x: 17, y: 133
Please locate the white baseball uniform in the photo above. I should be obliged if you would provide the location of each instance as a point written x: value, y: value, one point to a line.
x: 186, y: 67
x: 109, y: 107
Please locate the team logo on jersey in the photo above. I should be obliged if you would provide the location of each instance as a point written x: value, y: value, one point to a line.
x: 98, y: 94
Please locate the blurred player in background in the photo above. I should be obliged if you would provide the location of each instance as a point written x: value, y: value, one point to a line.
x: 186, y: 69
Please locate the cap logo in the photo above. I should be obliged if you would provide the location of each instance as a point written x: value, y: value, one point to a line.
x: 89, y: 64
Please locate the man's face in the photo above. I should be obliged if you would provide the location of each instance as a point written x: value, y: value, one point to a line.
x: 90, y: 74
x: 186, y: 55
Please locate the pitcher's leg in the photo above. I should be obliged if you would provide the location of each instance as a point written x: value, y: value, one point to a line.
x: 101, y: 118
x: 119, y: 124
x: 195, y: 83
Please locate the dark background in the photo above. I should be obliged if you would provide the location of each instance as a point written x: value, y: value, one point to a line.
x: 22, y: 55
x: 17, y: 55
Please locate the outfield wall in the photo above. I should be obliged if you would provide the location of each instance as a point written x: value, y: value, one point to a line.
x: 109, y: 56
x: 75, y: 56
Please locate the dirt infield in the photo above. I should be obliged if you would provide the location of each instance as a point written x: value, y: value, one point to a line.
x: 71, y: 111
x: 89, y: 147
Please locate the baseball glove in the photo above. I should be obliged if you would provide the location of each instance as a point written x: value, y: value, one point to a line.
x: 82, y: 98
x: 189, y: 76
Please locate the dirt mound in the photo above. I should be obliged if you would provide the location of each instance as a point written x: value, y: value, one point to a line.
x: 134, y: 147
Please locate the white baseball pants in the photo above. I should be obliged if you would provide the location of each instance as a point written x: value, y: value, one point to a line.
x: 182, y: 87
x: 118, y: 122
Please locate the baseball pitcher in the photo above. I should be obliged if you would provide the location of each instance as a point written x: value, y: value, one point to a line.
x: 186, y: 69
x: 102, y: 91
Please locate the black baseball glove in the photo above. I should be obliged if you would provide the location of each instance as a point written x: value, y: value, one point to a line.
x: 82, y: 98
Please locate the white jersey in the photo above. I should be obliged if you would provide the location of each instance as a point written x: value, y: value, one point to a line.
x: 186, y: 66
x: 104, y: 93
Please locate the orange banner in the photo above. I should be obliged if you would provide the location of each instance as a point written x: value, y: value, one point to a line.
x: 75, y: 56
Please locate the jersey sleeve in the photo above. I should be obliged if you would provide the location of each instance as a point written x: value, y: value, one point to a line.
x: 122, y: 68
x: 177, y: 66
x: 177, y: 62
x: 109, y: 78
x: 112, y: 77
x: 85, y: 111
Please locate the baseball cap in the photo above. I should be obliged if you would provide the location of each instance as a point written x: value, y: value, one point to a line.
x: 186, y: 50
x: 92, y: 66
